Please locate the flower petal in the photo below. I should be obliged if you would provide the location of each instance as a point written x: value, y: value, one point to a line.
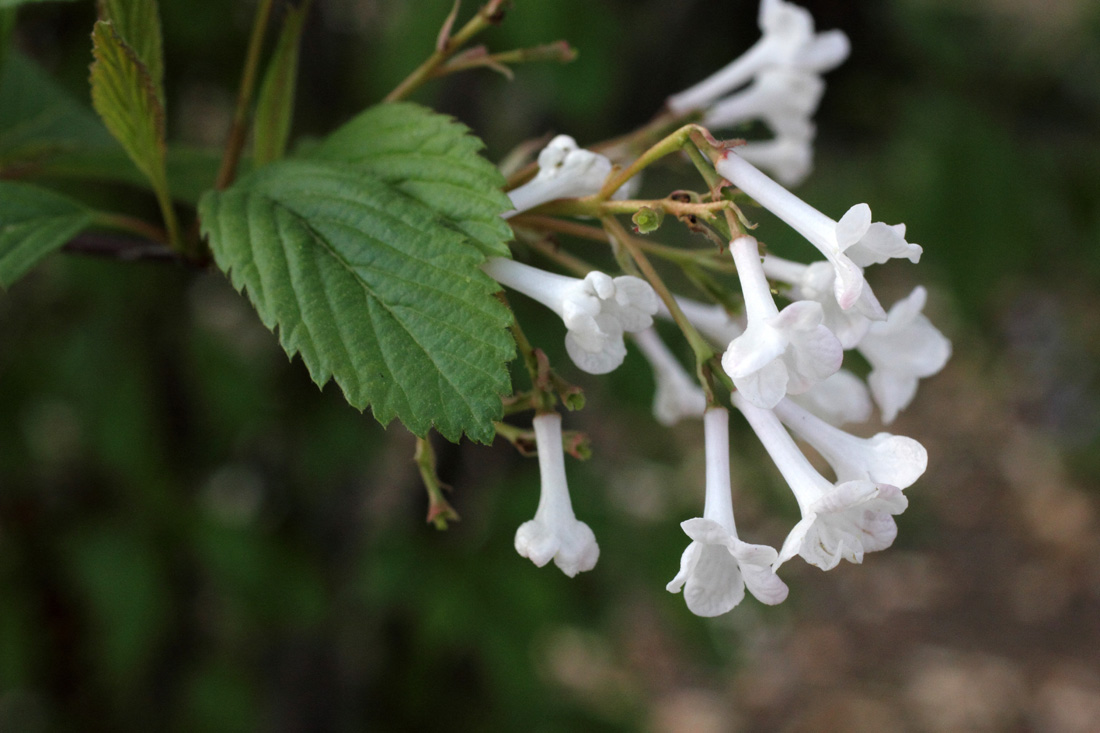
x: 852, y: 226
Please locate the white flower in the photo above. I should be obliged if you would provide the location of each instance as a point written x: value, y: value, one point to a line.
x: 779, y: 352
x: 839, y: 522
x: 790, y: 159
x: 842, y: 398
x: 596, y: 310
x: 555, y: 533
x: 848, y: 244
x: 902, y: 349
x: 815, y: 282
x: 717, y: 565
x: 710, y: 319
x: 883, y: 459
x: 677, y: 395
x: 565, y: 171
x: 784, y: 97
x: 788, y: 41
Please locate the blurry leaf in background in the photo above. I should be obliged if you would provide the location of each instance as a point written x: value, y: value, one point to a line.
x: 33, y: 223
x: 191, y: 171
x: 431, y: 158
x: 138, y: 24
x: 127, y: 99
x: 38, y: 117
x: 327, y: 253
x: 275, y: 103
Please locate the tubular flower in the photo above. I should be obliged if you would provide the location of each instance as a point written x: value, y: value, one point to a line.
x: 596, y: 310
x: 840, y: 521
x: 565, y: 171
x: 788, y: 40
x: 677, y: 396
x: 780, y: 352
x: 555, y: 532
x: 717, y: 565
x: 848, y: 244
x: 904, y: 348
x: 884, y: 458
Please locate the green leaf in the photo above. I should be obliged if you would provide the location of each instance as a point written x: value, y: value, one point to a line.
x: 137, y: 22
x: 33, y: 223
x: 275, y: 105
x: 125, y: 97
x: 432, y: 158
x: 39, y: 118
x: 368, y: 285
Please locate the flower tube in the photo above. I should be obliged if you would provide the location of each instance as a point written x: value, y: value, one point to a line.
x: 883, y: 459
x: 848, y: 244
x: 717, y: 565
x: 596, y: 310
x: 780, y: 352
x: 555, y: 532
x: 840, y: 521
x: 676, y: 396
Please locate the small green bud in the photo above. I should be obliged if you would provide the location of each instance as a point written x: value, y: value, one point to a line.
x: 647, y: 219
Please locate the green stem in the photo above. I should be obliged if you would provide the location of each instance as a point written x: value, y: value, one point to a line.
x: 541, y: 397
x: 702, y: 350
x: 234, y: 146
x: 704, y: 258
x: 596, y: 206
x: 559, y: 51
x: 566, y: 260
x: 641, y: 138
x: 670, y: 144
x: 439, y: 509
x: 484, y: 18
x: 171, y: 222
x: 124, y: 223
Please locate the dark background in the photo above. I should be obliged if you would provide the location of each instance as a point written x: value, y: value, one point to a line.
x: 193, y: 537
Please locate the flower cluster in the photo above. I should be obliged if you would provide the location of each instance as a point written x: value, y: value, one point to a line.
x: 777, y: 81
x: 781, y: 362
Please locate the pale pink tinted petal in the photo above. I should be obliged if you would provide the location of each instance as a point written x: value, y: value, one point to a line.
x: 852, y: 226
x: 812, y: 358
x: 764, y: 387
x: 752, y: 350
x: 715, y: 585
x: 893, y: 391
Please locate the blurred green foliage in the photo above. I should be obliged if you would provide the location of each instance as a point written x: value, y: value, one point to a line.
x: 193, y: 538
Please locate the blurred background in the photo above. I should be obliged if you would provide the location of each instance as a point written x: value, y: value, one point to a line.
x: 193, y: 537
